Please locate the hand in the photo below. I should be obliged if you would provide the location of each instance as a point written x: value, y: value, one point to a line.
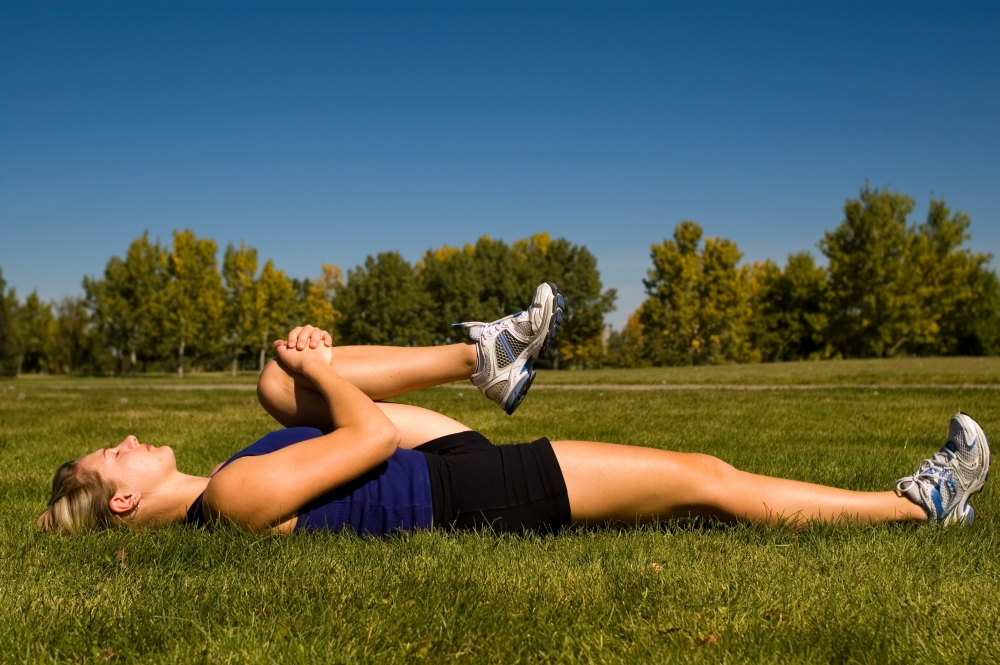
x: 305, y: 360
x: 301, y: 336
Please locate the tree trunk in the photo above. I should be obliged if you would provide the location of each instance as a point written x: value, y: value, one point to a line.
x: 260, y: 362
x: 895, y: 347
x: 235, y: 356
x: 131, y: 362
x: 180, y: 359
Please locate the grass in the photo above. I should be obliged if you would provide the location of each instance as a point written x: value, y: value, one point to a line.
x: 684, y: 591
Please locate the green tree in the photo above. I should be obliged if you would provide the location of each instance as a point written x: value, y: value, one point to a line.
x: 788, y: 321
x: 275, y: 307
x: 867, y: 303
x: 626, y: 348
x: 945, y: 290
x: 194, y: 300
x: 73, y: 346
x: 384, y: 302
x: 574, y: 269
x: 10, y: 359
x: 127, y: 304
x: 318, y: 307
x: 491, y: 279
x: 239, y: 270
x: 36, y: 327
x: 698, y: 306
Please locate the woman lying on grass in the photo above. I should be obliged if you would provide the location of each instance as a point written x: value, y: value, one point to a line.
x: 350, y: 460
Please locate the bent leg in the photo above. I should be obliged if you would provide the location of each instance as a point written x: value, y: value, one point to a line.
x: 614, y: 483
x: 292, y: 399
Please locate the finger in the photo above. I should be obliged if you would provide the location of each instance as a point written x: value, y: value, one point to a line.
x: 316, y: 338
x: 327, y: 338
x: 293, y: 335
x: 304, y: 334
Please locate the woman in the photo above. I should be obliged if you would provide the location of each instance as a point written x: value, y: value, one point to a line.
x: 350, y: 460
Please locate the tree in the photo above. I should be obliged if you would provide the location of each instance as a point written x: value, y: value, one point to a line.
x: 574, y: 269
x: 73, y: 345
x: 128, y: 303
x: 945, y: 290
x: 275, y: 305
x: 625, y: 348
x: 318, y: 305
x: 895, y: 287
x: 866, y: 252
x: 491, y: 279
x: 239, y: 270
x: 384, y: 302
x: 10, y: 359
x: 194, y: 299
x: 698, y: 305
x: 36, y: 327
x: 788, y: 321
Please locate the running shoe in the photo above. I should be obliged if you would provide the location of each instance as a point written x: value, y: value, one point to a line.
x: 943, y: 484
x: 508, y: 347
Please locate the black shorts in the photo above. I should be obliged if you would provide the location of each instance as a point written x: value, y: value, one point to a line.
x: 510, y: 489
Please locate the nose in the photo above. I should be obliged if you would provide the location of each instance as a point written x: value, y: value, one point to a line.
x: 129, y: 441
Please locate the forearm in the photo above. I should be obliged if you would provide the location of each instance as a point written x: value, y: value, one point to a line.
x: 348, y: 406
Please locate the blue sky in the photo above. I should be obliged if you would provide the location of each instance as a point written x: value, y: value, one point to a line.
x: 325, y: 132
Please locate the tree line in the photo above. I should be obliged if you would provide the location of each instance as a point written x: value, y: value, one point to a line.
x: 890, y: 287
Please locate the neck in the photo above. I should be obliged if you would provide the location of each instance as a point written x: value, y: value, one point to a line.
x: 171, y: 501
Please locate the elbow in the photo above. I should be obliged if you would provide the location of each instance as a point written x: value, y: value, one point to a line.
x: 387, y: 436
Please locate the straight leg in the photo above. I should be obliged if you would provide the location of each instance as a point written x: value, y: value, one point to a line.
x: 629, y: 484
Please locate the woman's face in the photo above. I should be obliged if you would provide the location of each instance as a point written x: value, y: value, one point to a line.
x: 132, y: 466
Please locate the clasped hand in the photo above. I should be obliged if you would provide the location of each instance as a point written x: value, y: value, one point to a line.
x: 305, y: 345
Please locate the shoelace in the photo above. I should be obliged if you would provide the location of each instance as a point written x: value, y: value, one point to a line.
x: 930, y: 470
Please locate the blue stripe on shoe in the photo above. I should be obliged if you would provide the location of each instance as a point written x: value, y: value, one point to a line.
x: 506, y: 347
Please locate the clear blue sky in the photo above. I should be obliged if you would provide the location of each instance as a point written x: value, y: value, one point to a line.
x: 327, y: 132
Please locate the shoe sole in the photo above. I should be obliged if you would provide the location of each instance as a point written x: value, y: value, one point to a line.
x: 527, y: 376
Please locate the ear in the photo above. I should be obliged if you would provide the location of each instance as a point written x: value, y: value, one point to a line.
x: 124, y: 501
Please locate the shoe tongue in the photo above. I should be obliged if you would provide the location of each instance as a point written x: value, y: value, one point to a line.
x: 475, y: 332
x: 956, y: 435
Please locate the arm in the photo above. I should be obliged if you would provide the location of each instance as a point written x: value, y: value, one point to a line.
x: 259, y: 492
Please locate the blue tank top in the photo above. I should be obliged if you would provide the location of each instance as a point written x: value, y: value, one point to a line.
x: 395, y: 495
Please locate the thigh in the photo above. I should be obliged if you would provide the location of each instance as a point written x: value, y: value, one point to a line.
x: 291, y: 400
x: 608, y: 482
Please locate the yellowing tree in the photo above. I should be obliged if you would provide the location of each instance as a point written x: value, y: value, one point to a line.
x: 698, y: 305
x: 193, y: 302
x: 239, y: 270
x: 318, y: 304
x: 275, y: 305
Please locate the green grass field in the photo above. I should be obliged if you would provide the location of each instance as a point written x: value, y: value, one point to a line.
x: 678, y: 592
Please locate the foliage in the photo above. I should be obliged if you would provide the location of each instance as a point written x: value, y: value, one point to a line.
x: 490, y: 280
x: 36, y: 328
x: 788, y: 321
x: 383, y: 302
x: 698, y: 306
x: 130, y: 302
x: 10, y: 359
x: 896, y: 287
x: 890, y: 288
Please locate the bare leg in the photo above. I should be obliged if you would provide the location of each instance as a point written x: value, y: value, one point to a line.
x: 613, y: 483
x: 380, y: 372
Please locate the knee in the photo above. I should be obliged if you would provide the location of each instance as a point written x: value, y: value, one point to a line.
x: 713, y: 474
x: 272, y: 385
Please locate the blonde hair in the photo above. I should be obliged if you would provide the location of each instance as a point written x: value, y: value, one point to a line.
x: 80, y: 502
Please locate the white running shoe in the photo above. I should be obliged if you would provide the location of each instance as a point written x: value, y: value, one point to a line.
x: 943, y: 485
x: 508, y: 347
